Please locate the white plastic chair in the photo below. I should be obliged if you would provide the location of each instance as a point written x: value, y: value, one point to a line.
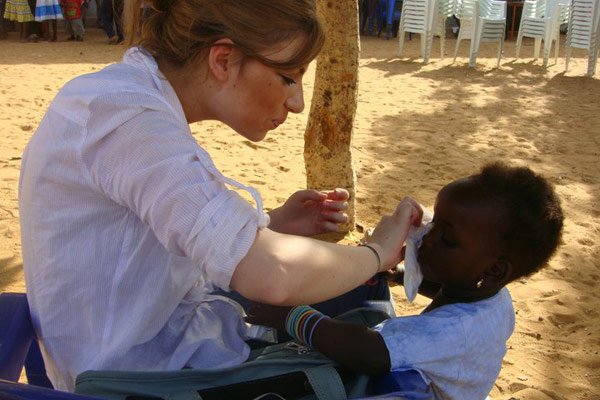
x: 488, y: 25
x: 417, y: 17
x: 541, y: 20
x: 464, y: 10
x: 582, y: 31
x: 445, y: 11
x: 595, y: 44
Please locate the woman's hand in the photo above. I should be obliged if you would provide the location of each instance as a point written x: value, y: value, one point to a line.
x: 390, y: 234
x: 264, y: 314
x: 310, y: 212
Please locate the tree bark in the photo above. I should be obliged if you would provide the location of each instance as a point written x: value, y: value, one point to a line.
x: 328, y: 135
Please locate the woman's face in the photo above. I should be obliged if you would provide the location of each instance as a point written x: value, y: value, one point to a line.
x: 261, y: 97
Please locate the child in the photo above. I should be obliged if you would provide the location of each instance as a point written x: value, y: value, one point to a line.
x: 488, y: 230
x: 19, y: 11
x: 47, y: 12
x: 74, y: 25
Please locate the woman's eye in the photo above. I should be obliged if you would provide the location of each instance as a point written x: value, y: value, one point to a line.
x: 288, y: 81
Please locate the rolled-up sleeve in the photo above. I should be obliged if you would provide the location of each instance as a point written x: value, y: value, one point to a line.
x: 148, y: 162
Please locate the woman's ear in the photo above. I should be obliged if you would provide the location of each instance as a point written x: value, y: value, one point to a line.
x: 221, y: 59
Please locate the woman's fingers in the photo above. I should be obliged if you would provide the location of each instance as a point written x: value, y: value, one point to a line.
x: 335, y: 205
x: 338, y: 194
x: 408, y: 207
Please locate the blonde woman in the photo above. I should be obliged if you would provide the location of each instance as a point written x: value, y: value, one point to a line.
x: 127, y: 225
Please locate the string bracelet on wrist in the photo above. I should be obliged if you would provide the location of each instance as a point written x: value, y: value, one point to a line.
x: 297, y: 323
x: 368, y: 246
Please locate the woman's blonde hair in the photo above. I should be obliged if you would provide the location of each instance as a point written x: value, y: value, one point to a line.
x: 181, y: 31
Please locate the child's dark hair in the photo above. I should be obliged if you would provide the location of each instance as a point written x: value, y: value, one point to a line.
x: 534, y: 216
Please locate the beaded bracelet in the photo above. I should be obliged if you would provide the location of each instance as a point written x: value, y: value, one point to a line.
x: 298, y: 321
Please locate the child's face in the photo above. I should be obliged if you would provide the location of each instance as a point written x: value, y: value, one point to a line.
x: 465, y: 240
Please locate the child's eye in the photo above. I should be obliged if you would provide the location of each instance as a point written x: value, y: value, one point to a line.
x: 288, y: 81
x: 448, y: 242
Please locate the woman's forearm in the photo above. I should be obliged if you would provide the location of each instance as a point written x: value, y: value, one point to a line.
x: 291, y: 270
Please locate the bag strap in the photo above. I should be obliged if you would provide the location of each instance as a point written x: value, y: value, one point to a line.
x: 326, y: 383
x: 184, y: 395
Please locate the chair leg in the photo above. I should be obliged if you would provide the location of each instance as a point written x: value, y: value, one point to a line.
x: 428, y: 45
x: 401, y: 41
x: 536, y: 48
x: 592, y: 61
x: 567, y: 59
x: 443, y: 41
x: 500, y: 50
x: 519, y: 40
x: 457, y: 45
x: 473, y: 51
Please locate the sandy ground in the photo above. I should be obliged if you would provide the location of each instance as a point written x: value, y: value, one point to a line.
x: 417, y: 127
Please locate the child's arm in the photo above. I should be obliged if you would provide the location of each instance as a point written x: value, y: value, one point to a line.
x: 352, y: 345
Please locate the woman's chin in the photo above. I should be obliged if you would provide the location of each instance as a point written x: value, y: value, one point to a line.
x: 254, y: 136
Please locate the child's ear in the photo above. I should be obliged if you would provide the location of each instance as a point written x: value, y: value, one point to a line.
x: 221, y: 59
x: 500, y: 272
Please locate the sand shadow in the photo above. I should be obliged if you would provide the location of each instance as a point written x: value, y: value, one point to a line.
x: 9, y: 272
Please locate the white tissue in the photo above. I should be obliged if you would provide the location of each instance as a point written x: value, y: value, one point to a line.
x: 412, y: 271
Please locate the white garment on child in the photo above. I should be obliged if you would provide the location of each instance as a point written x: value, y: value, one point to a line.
x: 412, y: 271
x: 457, y: 348
x: 127, y: 226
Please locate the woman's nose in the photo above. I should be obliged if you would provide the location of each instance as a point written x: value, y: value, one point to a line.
x: 295, y: 101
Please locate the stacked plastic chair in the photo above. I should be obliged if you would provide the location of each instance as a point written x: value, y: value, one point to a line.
x: 593, y: 57
x: 541, y: 20
x: 489, y: 25
x: 464, y: 11
x: 583, y: 31
x: 417, y: 17
x: 445, y: 11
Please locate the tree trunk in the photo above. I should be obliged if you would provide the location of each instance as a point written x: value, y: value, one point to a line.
x: 328, y: 135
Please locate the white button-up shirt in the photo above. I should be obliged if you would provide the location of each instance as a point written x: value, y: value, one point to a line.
x: 127, y: 227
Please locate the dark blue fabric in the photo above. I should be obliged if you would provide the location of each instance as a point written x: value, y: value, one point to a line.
x: 111, y: 12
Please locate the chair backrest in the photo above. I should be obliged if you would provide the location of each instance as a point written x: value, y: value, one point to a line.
x: 534, y: 8
x: 417, y: 15
x: 492, y: 9
x: 446, y: 8
x: 465, y: 9
x: 581, y: 23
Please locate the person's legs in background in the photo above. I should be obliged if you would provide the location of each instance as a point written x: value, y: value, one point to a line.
x: 106, y: 16
x: 2, y: 33
x: 69, y: 29
x: 118, y: 18
x: 77, y: 26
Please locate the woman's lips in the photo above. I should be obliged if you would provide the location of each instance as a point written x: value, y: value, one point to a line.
x: 277, y: 122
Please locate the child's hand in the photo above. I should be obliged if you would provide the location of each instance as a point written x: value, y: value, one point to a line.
x: 395, y: 275
x: 267, y: 315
